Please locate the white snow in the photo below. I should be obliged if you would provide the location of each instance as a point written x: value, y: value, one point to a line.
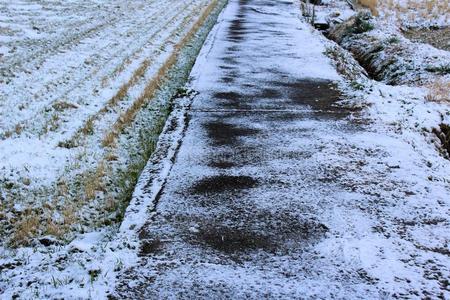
x: 54, y: 78
x: 387, y: 206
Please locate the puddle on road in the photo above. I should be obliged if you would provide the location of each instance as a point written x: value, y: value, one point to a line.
x: 231, y: 240
x: 227, y: 79
x: 237, y: 30
x: 230, y: 96
x: 317, y: 94
x: 322, y: 97
x: 232, y: 100
x: 225, y: 67
x: 269, y: 93
x: 221, y: 164
x: 235, y: 225
x: 245, y: 231
x: 223, y: 183
x: 239, y: 155
x: 224, y: 134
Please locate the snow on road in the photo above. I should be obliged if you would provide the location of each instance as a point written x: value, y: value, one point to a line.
x: 276, y: 189
x: 272, y: 179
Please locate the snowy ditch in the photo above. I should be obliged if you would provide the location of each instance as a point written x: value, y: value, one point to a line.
x: 388, y: 56
x: 379, y: 49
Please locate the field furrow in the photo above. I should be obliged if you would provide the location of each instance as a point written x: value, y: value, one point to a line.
x: 74, y: 74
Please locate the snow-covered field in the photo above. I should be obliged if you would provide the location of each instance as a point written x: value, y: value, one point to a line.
x: 422, y: 21
x: 66, y: 266
x: 415, y: 13
x: 73, y: 77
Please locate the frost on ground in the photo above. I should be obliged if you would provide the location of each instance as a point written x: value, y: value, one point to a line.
x: 276, y: 176
x: 421, y: 21
x: 414, y: 13
x: 76, y: 82
x: 387, y: 54
x: 383, y: 47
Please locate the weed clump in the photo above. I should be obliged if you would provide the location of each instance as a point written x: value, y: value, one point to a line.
x: 443, y: 133
x: 362, y: 24
x: 442, y: 69
x: 357, y: 24
x: 439, y: 91
x: 393, y: 40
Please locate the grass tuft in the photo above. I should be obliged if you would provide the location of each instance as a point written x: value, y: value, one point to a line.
x: 94, y: 181
x: 26, y: 229
x: 443, y: 133
x: 362, y: 24
x: 439, y: 91
x: 442, y: 69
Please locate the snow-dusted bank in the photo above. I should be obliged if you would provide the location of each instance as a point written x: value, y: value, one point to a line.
x: 283, y: 171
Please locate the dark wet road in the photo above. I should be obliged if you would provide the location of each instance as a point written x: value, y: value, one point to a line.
x: 239, y: 195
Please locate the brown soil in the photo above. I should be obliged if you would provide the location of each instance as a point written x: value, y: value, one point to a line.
x: 437, y: 37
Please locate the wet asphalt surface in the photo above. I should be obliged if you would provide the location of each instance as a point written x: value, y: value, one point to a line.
x: 242, y: 208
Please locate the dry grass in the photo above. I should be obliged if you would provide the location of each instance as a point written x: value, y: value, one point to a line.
x: 149, y: 92
x: 409, y: 9
x: 32, y: 223
x: 36, y: 222
x: 438, y: 38
x: 439, y: 91
x: 52, y: 124
x: 26, y: 228
x: 63, y: 105
x: 128, y: 116
x: 17, y: 130
x: 111, y: 157
x: 69, y: 216
x: 54, y: 229
x: 122, y: 93
x: 62, y: 188
x: 111, y: 204
x: 128, y: 60
x: 370, y: 4
x: 93, y: 182
x: 88, y: 128
x: 89, y: 184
